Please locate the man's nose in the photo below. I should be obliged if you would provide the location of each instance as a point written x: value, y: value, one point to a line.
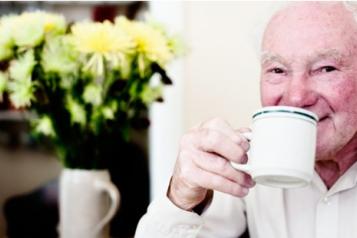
x: 299, y: 92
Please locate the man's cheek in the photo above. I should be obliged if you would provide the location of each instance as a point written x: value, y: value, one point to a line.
x: 270, y: 96
x: 343, y: 92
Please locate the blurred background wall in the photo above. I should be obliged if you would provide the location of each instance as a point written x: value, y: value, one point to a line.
x: 218, y: 77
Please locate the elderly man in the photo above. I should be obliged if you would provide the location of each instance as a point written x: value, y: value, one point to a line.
x: 309, y: 60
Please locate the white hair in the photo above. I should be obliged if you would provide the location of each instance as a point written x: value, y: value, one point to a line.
x: 273, y: 8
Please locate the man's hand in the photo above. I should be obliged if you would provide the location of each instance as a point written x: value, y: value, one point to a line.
x: 203, y: 164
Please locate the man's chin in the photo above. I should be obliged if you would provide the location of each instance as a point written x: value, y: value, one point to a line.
x: 322, y: 153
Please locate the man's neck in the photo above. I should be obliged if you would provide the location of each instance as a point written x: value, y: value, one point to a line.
x: 330, y: 170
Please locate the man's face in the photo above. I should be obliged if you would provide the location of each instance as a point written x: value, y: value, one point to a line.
x: 309, y: 60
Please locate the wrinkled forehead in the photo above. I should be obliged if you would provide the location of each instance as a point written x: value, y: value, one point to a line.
x: 268, y: 57
x: 319, y: 23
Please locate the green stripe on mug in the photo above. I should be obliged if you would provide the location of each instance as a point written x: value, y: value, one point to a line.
x: 287, y: 110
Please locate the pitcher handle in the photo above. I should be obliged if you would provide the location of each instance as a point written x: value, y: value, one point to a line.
x: 114, y: 196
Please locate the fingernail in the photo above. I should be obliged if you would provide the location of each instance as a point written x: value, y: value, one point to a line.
x: 251, y: 183
x: 248, y: 181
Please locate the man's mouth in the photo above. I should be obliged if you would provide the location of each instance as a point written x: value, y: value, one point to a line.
x: 321, y: 119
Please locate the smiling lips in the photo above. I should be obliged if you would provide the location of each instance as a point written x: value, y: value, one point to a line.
x: 323, y: 118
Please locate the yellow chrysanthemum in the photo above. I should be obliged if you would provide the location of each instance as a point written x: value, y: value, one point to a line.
x: 149, y: 41
x: 50, y: 22
x: 95, y: 37
x: 54, y: 23
x: 101, y: 40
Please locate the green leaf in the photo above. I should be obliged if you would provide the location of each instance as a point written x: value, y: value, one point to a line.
x: 76, y: 111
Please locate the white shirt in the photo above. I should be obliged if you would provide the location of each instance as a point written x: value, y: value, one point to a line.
x: 312, y: 211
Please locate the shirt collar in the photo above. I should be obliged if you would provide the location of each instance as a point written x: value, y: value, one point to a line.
x: 347, y: 181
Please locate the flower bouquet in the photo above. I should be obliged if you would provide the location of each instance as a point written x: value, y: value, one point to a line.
x: 85, y: 83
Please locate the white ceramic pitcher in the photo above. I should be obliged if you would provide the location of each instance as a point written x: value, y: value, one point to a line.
x: 88, y: 201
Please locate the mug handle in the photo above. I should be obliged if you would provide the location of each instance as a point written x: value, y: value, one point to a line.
x: 244, y: 167
x: 114, y: 195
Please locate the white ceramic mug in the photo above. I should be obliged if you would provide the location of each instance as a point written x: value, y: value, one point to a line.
x: 282, y: 147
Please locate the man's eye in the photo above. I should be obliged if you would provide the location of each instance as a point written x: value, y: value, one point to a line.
x: 326, y: 69
x: 276, y: 71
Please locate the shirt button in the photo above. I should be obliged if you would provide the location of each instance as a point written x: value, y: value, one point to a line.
x: 326, y: 201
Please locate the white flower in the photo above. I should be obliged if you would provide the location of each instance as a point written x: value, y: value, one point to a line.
x: 6, y: 43
x: 59, y: 56
x: 93, y: 94
x: 67, y: 81
x: 21, y: 69
x: 109, y: 110
x: 29, y: 28
x: 20, y: 86
x: 21, y: 92
x: 150, y: 41
x: 108, y: 113
x: 6, y: 39
x: 28, y: 34
x: 3, y: 83
x: 44, y: 126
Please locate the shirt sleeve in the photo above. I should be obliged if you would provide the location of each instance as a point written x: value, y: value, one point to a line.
x: 165, y: 220
x: 223, y: 218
